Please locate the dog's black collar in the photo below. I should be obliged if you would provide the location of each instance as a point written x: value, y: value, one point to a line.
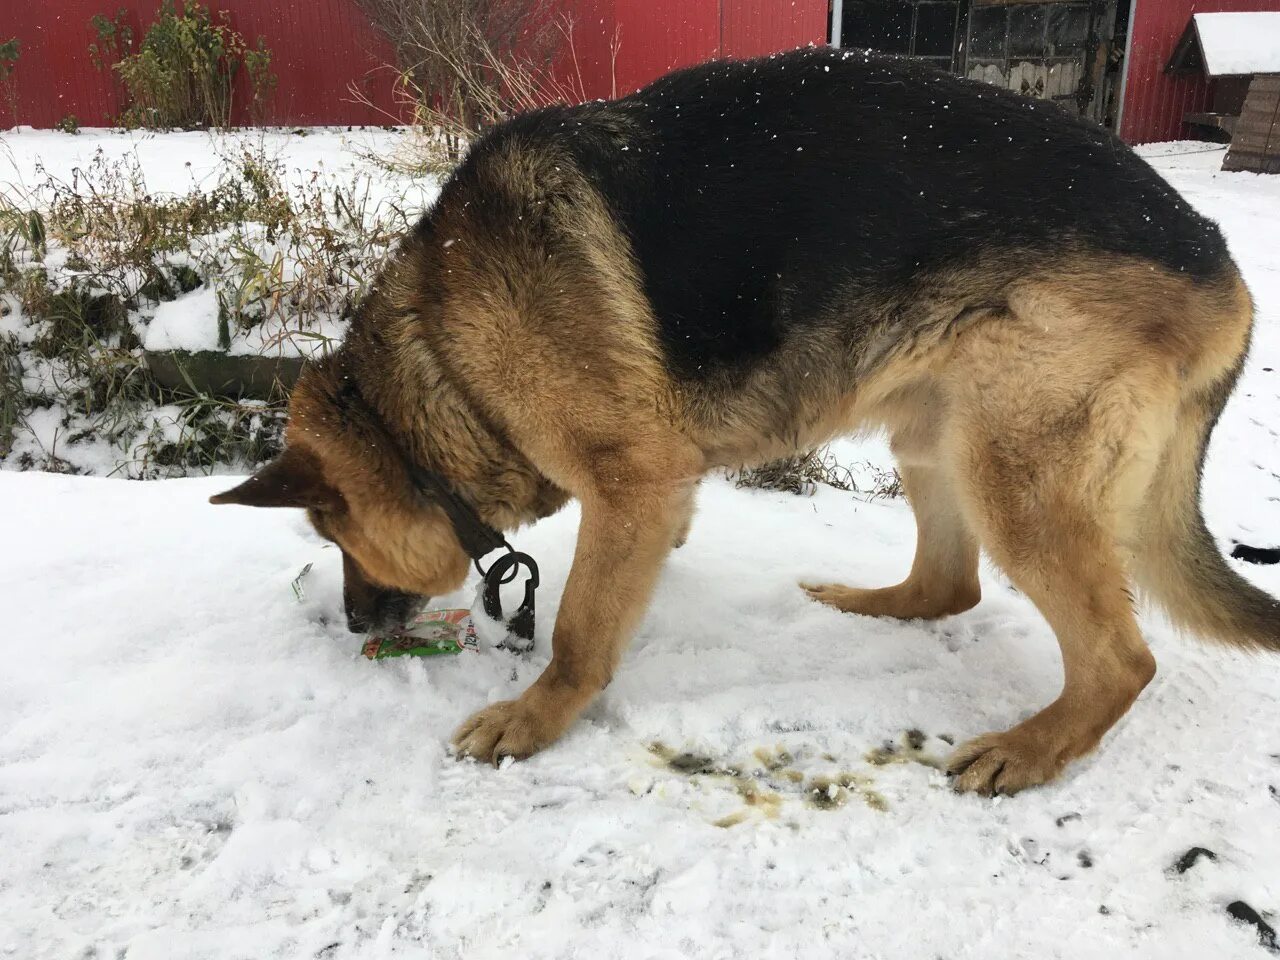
x: 479, y: 539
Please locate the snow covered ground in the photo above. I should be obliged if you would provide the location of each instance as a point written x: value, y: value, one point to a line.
x: 272, y: 234
x: 195, y: 765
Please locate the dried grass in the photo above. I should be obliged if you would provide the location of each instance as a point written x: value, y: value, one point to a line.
x: 801, y: 474
x: 87, y: 259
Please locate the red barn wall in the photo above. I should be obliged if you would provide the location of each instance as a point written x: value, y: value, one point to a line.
x: 1154, y: 101
x: 657, y: 36
x: 756, y: 27
x: 621, y: 45
x: 322, y: 48
x: 584, y: 65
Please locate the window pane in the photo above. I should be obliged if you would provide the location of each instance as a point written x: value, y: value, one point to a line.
x: 935, y: 29
x: 986, y: 31
x: 883, y: 25
x: 1068, y: 29
x: 1026, y: 31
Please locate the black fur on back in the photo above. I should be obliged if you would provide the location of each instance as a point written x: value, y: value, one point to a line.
x: 758, y: 194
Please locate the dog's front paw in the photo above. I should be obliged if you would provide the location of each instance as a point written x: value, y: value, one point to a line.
x: 510, y: 728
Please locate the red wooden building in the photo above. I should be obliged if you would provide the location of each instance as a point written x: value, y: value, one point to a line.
x: 321, y: 49
x: 1155, y: 101
x: 652, y: 37
x: 1104, y: 58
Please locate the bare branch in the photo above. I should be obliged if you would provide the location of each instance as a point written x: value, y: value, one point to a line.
x: 468, y: 64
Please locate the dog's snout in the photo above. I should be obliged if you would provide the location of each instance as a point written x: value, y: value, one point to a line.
x: 379, y: 612
x: 372, y: 608
x: 358, y: 621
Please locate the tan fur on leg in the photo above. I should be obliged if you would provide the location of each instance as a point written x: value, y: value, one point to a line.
x: 1106, y: 665
x: 689, y: 507
x: 1054, y: 477
x: 623, y: 539
x: 944, y: 574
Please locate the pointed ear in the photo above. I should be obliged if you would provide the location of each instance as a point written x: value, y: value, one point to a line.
x: 294, y: 479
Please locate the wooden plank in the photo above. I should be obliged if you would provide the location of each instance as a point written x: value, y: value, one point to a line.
x: 1256, y: 136
x: 1255, y: 129
x: 1222, y: 121
x: 1252, y: 164
x: 1255, y: 144
x: 222, y: 374
x: 1063, y: 80
x: 1260, y: 110
x: 987, y: 73
x: 1262, y: 105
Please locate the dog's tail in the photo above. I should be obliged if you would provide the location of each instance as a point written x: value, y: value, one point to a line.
x: 1178, y: 563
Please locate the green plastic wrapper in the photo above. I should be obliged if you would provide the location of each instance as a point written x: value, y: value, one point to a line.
x: 431, y: 633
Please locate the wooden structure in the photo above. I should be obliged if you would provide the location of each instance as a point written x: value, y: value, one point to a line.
x: 1104, y: 59
x: 1156, y: 101
x: 1228, y: 50
x: 1059, y: 50
x: 1255, y: 145
x: 621, y: 45
x: 332, y: 65
x: 1238, y: 56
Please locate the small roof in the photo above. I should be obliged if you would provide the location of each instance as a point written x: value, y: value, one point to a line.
x: 1229, y: 44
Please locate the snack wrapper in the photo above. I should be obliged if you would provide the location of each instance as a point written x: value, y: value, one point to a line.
x: 430, y: 633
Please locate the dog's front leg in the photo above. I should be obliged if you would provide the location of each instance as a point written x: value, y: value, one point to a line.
x: 626, y: 533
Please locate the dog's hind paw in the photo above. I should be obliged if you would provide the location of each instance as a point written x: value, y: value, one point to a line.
x: 1003, y: 763
x: 906, y: 601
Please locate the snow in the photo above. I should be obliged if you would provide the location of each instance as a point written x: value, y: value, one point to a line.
x: 187, y: 323
x: 173, y: 164
x: 195, y: 765
x: 285, y: 287
x: 191, y: 323
x: 1239, y: 43
x: 175, y: 161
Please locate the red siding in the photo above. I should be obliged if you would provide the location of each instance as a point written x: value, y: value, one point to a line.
x: 1154, y: 101
x: 322, y: 47
x: 656, y: 36
x: 756, y: 27
x: 585, y: 62
x: 319, y: 50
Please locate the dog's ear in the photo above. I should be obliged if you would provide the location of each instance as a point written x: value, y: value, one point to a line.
x: 294, y: 479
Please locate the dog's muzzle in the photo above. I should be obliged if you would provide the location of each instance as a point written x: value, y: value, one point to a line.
x: 379, y: 612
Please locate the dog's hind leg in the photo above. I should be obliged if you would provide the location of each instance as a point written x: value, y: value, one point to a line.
x: 1075, y: 577
x: 687, y: 509
x: 944, y: 573
x: 1057, y: 446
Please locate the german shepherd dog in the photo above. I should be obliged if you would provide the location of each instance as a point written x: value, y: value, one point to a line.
x: 742, y: 261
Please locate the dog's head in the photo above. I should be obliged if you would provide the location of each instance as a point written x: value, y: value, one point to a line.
x: 398, y: 547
